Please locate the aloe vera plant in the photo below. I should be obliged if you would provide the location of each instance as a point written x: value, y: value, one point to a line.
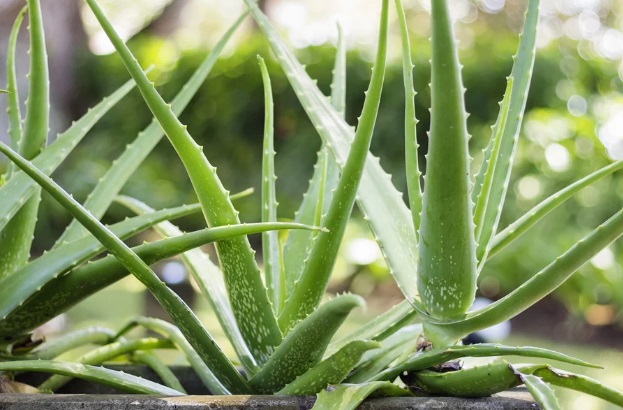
x: 281, y: 332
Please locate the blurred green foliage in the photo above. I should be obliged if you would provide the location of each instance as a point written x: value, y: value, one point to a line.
x: 226, y: 118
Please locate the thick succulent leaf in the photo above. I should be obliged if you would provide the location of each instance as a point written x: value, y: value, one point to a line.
x: 20, y: 187
x: 105, y: 353
x: 530, y: 218
x: 174, y: 335
x: 520, y: 76
x: 63, y: 292
x: 210, y: 281
x: 411, y: 146
x: 310, y: 288
x: 17, y: 288
x: 324, y: 180
x: 396, y: 347
x: 573, y: 381
x: 542, y: 393
x: 16, y: 238
x: 305, y: 345
x: 350, y: 396
x: 160, y: 368
x: 537, y: 287
x: 118, y: 380
x: 246, y: 290
x: 425, y: 359
x: 447, y: 262
x: 477, y: 381
x: 15, y: 117
x: 380, y: 327
x: 91, y: 335
x: 271, y: 249
x: 122, y: 169
x: 382, y: 204
x: 181, y: 314
x: 331, y: 370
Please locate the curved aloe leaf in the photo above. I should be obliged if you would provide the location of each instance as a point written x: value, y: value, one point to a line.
x: 447, y: 262
x: 16, y: 238
x: 105, y: 353
x: 350, y: 396
x: 160, y: 368
x: 118, y: 380
x: 331, y: 370
x: 305, y: 345
x: 91, y: 335
x: 21, y: 285
x: 423, y: 360
x: 15, y: 117
x: 188, y: 323
x: 271, y: 249
x: 520, y: 77
x: 172, y: 333
x: 537, y: 287
x: 247, y: 293
x: 312, y: 284
x: 530, y: 218
x: 573, y: 381
x: 411, y: 146
x: 317, y: 198
x: 389, y: 217
x: 20, y: 187
x: 115, y: 178
x: 478, y: 381
x: 210, y: 281
x: 542, y: 393
x: 61, y: 293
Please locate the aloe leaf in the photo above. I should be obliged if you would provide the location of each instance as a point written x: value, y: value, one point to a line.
x: 530, y: 218
x: 537, y: 287
x: 312, y: 284
x: 485, y: 191
x: 15, y: 117
x: 160, y: 368
x: 447, y: 262
x: 16, y: 238
x: 542, y: 393
x: 59, y: 294
x: 186, y: 320
x: 411, y: 146
x: 380, y: 327
x: 91, y: 335
x: 172, y: 333
x: 21, y: 285
x: 397, y: 347
x: 20, y: 187
x: 389, y: 217
x: 425, y: 359
x: 246, y: 291
x: 573, y: 381
x: 305, y: 345
x: 210, y: 281
x: 122, y: 169
x: 477, y: 381
x: 271, y: 250
x: 317, y: 198
x: 350, y: 396
x: 331, y: 370
x: 118, y: 380
x: 105, y: 353
x: 520, y: 76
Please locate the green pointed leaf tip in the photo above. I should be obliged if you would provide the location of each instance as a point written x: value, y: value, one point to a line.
x: 447, y: 263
